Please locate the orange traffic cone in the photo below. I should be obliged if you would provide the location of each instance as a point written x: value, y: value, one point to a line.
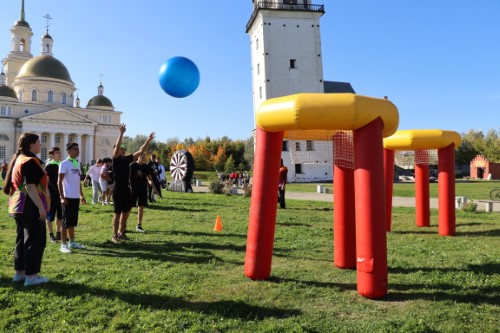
x: 218, y: 224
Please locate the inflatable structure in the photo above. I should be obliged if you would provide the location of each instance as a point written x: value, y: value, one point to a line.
x: 297, y: 117
x: 421, y: 140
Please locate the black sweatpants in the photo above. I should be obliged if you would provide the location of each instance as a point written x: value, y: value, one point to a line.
x: 30, y: 244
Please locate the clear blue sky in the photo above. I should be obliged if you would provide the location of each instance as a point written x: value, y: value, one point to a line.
x: 438, y: 61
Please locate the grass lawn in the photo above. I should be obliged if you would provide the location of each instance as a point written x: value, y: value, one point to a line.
x: 479, y: 190
x: 181, y: 276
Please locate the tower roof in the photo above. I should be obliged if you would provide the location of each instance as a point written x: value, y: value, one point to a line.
x: 45, y: 66
x: 99, y: 101
x: 6, y: 91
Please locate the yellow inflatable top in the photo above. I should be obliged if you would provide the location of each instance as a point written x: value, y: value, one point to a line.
x: 422, y: 139
x: 303, y: 116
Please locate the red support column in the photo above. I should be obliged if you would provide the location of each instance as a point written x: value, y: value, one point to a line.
x: 371, y: 241
x: 422, y: 201
x: 344, y: 224
x: 263, y: 204
x: 446, y: 190
x: 389, y: 184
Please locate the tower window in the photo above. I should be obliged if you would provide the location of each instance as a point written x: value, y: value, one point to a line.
x: 293, y: 63
x: 256, y: 43
x: 106, y: 119
x: 260, y: 92
x: 34, y: 95
x: 43, y: 153
x: 22, y: 45
x: 284, y: 145
x: 63, y: 97
x: 258, y: 69
x: 298, y: 168
x: 50, y: 96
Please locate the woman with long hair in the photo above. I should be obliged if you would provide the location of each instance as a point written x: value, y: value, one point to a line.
x: 26, y: 185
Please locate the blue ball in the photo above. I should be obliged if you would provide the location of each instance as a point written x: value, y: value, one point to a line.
x: 179, y: 77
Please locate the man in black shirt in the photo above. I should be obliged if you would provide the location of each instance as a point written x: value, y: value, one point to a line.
x: 140, y: 177
x: 122, y: 195
x: 55, y: 211
x: 155, y: 187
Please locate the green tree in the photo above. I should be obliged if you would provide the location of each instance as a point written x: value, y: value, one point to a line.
x: 229, y: 165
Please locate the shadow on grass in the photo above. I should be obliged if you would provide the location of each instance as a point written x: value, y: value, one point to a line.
x: 414, y: 232
x: 318, y: 284
x: 302, y: 208
x: 287, y: 224
x: 446, y: 291
x: 168, y: 252
x: 204, y: 234
x: 482, y: 233
x: 176, y: 208
x: 486, y: 268
x: 225, y: 308
x: 442, y: 292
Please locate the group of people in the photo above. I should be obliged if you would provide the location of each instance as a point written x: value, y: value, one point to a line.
x: 41, y: 194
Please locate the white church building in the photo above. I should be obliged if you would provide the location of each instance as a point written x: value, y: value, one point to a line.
x: 37, y: 95
x: 287, y: 59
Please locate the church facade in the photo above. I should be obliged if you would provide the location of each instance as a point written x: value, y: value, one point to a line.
x: 37, y: 95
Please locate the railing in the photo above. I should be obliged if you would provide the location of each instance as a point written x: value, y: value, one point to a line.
x: 273, y: 5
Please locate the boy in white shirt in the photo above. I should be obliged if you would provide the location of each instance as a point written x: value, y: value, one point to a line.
x: 70, y: 188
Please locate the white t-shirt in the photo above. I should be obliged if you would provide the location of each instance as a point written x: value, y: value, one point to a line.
x: 94, y: 172
x: 71, y: 181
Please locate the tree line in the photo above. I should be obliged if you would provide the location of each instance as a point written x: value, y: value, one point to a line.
x: 228, y: 155
x: 224, y: 154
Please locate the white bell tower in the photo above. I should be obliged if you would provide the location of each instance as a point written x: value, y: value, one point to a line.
x: 21, y: 47
x: 287, y: 59
x: 286, y: 48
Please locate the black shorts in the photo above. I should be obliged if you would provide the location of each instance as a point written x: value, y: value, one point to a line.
x: 55, y: 210
x: 70, y: 213
x: 122, y: 200
x: 139, y: 198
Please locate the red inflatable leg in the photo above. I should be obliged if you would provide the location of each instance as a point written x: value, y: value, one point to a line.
x: 371, y: 243
x: 389, y: 183
x: 422, y: 202
x: 344, y: 227
x: 446, y: 190
x: 263, y: 205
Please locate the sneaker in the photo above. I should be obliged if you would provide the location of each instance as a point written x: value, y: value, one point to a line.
x: 75, y: 245
x: 122, y: 237
x: 115, y: 239
x: 35, y: 281
x: 52, y: 238
x: 139, y: 228
x: 19, y: 277
x: 64, y: 248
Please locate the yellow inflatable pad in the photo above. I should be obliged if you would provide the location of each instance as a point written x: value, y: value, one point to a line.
x: 326, y: 112
x: 422, y: 139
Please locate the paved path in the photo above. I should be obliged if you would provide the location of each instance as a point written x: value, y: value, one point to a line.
x: 396, y: 201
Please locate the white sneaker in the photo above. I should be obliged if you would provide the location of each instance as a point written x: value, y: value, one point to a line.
x: 75, y: 245
x: 64, y: 248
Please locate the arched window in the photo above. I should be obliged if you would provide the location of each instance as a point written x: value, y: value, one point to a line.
x: 63, y: 97
x: 20, y: 93
x: 22, y: 45
x: 34, y: 95
x: 50, y: 96
x: 4, y: 137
